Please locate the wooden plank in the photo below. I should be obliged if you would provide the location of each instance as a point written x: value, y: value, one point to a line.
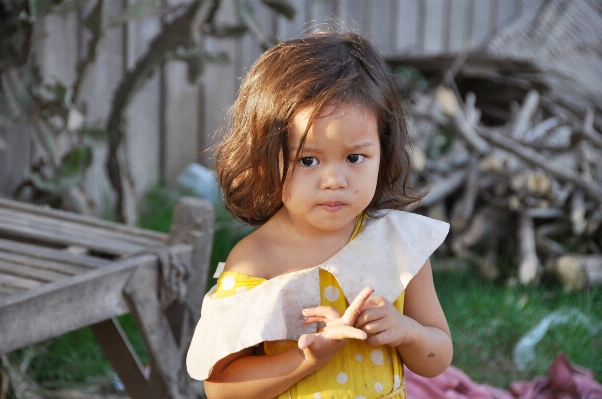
x: 458, y: 22
x: 407, y: 28
x: 381, y: 24
x: 4, y: 290
x: 143, y: 139
x: 434, y: 22
x: 62, y: 237
x: 11, y: 281
x: 51, y: 266
x: 123, y: 358
x: 53, y: 309
x: 14, y: 160
x: 287, y: 29
x: 481, y: 17
x: 50, y: 254
x: 155, y: 328
x: 351, y: 13
x: 80, y: 219
x: 72, y: 228
x: 28, y: 272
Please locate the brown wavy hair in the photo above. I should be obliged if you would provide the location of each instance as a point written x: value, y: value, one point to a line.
x: 252, y: 161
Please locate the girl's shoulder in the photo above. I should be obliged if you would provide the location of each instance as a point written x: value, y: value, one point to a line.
x: 249, y: 256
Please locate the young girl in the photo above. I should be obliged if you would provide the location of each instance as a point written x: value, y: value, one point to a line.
x: 333, y: 292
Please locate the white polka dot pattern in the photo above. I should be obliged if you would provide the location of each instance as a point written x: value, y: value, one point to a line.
x: 360, y: 397
x: 332, y: 293
x: 228, y: 282
x: 396, y: 381
x: 359, y: 357
x: 379, y: 387
x: 342, y: 378
x: 317, y: 395
x: 377, y: 357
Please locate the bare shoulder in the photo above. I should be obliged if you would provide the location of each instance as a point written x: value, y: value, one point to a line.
x: 248, y: 256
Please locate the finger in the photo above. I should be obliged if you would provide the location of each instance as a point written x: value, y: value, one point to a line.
x: 314, y: 319
x: 368, y: 315
x: 324, y: 312
x: 356, y: 306
x: 375, y: 302
x: 344, y: 332
x: 305, y: 340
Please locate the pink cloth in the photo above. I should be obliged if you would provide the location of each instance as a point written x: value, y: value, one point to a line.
x: 564, y: 381
x: 453, y: 383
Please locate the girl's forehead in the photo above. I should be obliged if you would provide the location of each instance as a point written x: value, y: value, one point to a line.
x: 331, y: 109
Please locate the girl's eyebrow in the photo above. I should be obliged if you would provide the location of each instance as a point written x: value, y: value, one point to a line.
x: 317, y: 150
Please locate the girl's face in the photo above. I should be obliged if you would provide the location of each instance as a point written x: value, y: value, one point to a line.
x: 335, y: 177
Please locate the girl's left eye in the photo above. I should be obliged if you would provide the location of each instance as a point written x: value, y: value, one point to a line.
x: 355, y: 158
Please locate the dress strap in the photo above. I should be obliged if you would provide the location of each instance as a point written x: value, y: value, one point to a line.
x: 219, y: 269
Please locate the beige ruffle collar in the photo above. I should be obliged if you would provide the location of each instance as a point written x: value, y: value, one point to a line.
x: 388, y: 252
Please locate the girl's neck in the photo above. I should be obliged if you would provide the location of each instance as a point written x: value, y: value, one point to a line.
x: 294, y: 247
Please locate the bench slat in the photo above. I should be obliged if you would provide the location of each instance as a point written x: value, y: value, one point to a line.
x: 32, y: 262
x: 65, y: 237
x: 10, y: 281
x: 74, y: 228
x: 51, y: 254
x: 90, y: 221
x: 28, y: 272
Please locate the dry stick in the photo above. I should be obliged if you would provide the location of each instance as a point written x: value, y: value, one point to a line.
x: 483, y: 224
x: 442, y: 188
x: 577, y: 215
x: 529, y: 266
x: 588, y: 129
x: 593, y: 191
x: 577, y: 272
x: 464, y: 207
x: 525, y: 115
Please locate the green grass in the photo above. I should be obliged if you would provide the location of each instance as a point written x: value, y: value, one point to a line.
x: 486, y: 319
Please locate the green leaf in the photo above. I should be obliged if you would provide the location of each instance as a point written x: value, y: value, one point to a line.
x: 75, y: 162
x: 283, y: 7
x: 95, y: 132
x: 55, y: 185
x: 45, y: 135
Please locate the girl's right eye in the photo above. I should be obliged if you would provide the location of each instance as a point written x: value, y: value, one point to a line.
x: 309, y: 161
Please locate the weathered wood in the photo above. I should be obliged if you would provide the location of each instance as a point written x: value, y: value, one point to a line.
x: 49, y: 222
x: 52, y: 255
x: 31, y: 273
x: 155, y: 328
x: 80, y: 219
x: 53, y: 309
x: 529, y: 266
x: 577, y: 272
x: 123, y: 358
x: 192, y: 224
x: 42, y: 265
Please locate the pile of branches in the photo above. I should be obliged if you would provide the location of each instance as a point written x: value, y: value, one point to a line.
x: 508, y: 139
x: 529, y: 185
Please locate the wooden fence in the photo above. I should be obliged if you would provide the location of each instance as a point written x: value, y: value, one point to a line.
x: 171, y: 122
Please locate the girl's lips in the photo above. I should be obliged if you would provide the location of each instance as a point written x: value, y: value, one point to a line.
x: 332, y: 206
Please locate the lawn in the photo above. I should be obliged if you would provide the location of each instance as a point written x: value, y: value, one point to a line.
x: 487, y: 320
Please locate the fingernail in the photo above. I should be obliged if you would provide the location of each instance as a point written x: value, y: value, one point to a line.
x: 303, y: 311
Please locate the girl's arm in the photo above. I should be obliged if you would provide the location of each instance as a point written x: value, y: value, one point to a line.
x: 243, y: 375
x: 421, y: 334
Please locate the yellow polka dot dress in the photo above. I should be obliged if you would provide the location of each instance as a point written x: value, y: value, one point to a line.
x: 358, y: 370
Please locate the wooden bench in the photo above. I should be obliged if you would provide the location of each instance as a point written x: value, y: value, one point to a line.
x: 60, y: 272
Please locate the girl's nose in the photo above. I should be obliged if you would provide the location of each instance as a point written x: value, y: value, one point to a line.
x: 333, y: 179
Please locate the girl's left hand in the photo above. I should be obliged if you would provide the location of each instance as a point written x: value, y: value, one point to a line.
x: 383, y: 323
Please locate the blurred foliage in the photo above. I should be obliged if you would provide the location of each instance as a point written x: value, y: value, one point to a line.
x: 54, y: 116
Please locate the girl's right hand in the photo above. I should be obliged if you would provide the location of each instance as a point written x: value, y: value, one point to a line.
x: 320, y: 347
